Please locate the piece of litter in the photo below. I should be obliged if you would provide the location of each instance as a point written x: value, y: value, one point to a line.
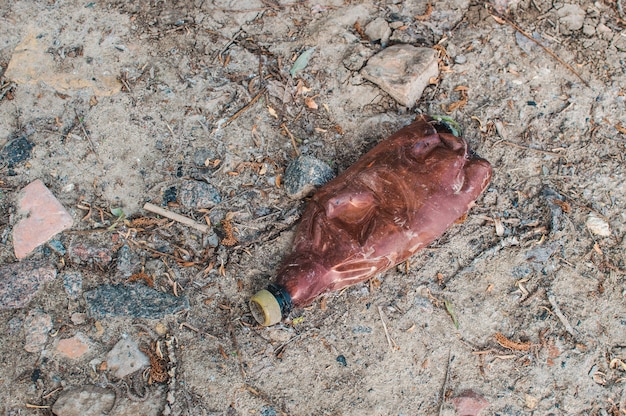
x: 44, y: 217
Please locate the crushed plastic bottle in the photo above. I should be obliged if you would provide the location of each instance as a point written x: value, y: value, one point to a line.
x: 395, y: 200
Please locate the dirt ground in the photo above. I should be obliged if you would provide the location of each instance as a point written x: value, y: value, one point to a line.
x: 523, y: 303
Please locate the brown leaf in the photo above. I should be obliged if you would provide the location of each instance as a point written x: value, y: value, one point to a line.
x: 310, y: 102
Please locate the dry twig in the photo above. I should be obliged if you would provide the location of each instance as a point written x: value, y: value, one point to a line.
x: 392, y: 345
x: 176, y: 217
x: 245, y: 107
x: 511, y: 345
x: 293, y: 139
x: 559, y: 314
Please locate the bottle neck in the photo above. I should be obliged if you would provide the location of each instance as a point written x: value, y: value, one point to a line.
x: 282, y: 297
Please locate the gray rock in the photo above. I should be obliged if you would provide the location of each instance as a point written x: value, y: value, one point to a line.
x: 304, y: 173
x: 73, y: 284
x: 127, y: 262
x: 125, y: 358
x: 571, y: 18
x: 19, y: 282
x: 196, y: 194
x: 36, y: 328
x: 378, y: 30
x: 16, y: 151
x: 135, y: 300
x: 460, y: 59
x: 403, y: 71
x: 84, y: 401
x: 356, y: 58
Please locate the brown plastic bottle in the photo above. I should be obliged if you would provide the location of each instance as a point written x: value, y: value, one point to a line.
x: 395, y: 200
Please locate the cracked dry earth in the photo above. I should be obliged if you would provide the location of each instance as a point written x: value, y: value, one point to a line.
x: 520, y: 309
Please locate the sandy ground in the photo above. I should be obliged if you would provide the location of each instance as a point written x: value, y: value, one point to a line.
x: 123, y: 101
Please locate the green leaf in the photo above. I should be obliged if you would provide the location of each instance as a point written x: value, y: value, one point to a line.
x: 301, y: 62
x: 118, y: 213
x: 452, y: 125
x: 450, y: 311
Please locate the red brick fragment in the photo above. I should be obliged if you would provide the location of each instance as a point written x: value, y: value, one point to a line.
x: 44, y: 217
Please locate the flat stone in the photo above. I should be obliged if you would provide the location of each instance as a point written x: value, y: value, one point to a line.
x: 304, y: 174
x: 44, y: 217
x: 197, y: 194
x: 36, y: 329
x: 74, y: 347
x: 84, y: 401
x: 402, y: 71
x: 125, y: 358
x: 135, y: 300
x: 19, y: 282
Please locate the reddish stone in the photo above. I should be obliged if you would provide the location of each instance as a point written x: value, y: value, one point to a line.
x: 44, y: 216
x: 469, y: 403
x: 74, y: 347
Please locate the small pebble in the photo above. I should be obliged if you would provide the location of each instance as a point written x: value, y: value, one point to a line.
x: 360, y: 329
x: 160, y: 328
x: 469, y: 403
x: 58, y: 247
x: 74, y: 347
x: 78, y: 318
x: 16, y: 151
x: 73, y: 284
x: 597, y: 225
x: 125, y: 358
x: 197, y: 194
x: 378, y: 30
x: 342, y: 360
x: 170, y: 195
x: 304, y: 174
x: 268, y: 411
x: 36, y: 328
x: 202, y: 157
x: 460, y: 59
x: 571, y: 18
x: 127, y: 263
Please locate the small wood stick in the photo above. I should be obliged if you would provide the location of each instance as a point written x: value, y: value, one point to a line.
x: 392, y: 344
x: 293, y: 139
x: 176, y: 217
x: 559, y: 314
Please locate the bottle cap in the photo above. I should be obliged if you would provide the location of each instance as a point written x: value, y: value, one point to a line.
x: 265, y: 308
